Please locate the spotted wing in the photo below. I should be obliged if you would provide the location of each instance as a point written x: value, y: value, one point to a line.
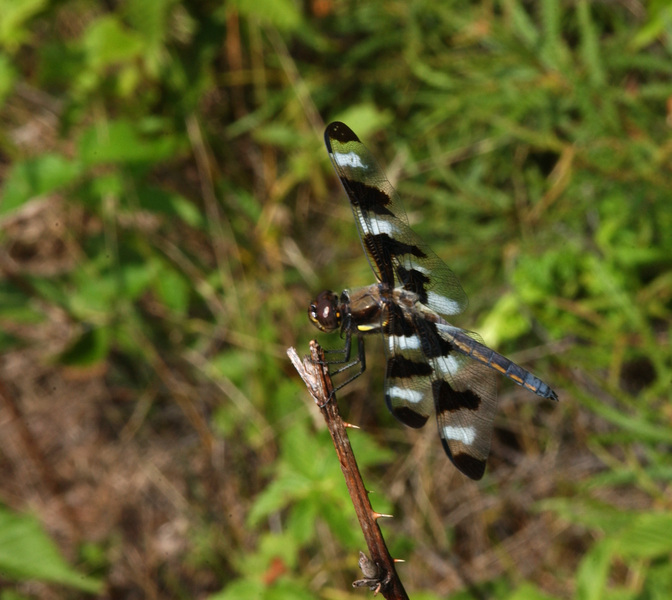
x: 398, y: 257
x: 427, y: 374
x: 409, y: 374
x: 465, y: 399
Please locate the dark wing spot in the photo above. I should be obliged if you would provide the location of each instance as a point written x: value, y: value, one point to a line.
x: 414, y: 281
x: 384, y: 248
x: 472, y: 467
x: 398, y: 322
x: 369, y: 198
x: 339, y: 132
x: 408, y: 416
x: 400, y: 367
x: 399, y: 248
x: 433, y: 345
x: 448, y: 399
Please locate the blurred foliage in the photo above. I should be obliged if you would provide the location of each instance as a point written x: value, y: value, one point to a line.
x: 21, y: 539
x: 179, y: 146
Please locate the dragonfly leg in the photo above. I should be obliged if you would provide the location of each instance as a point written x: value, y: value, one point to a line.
x: 347, y: 363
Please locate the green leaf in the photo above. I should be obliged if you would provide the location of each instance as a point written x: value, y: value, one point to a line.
x: 27, y: 553
x: 553, y: 50
x: 590, y: 48
x: 648, y: 535
x: 136, y: 277
x: 627, y: 421
x: 281, y: 14
x: 506, y: 321
x: 280, y: 589
x: 234, y: 364
x: 100, y: 288
x: 172, y: 288
x: 288, y: 590
x: 276, y: 134
x: 8, y: 75
x: 589, y: 513
x: 528, y: 592
x: 522, y: 24
x: 14, y: 21
x: 591, y: 579
x: 107, y: 42
x: 123, y: 142
x: 284, y: 489
x: 15, y: 305
x: 169, y: 203
x: 94, y: 295
x: 35, y: 177
x: 150, y: 18
x: 365, y: 118
x: 659, y: 16
x: 88, y: 349
x: 8, y: 341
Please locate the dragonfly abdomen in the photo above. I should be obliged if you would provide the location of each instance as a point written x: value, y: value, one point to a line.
x: 481, y: 353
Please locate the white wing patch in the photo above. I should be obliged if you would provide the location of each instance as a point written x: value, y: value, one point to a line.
x: 420, y: 268
x: 384, y: 226
x: 412, y: 396
x: 348, y: 159
x: 442, y: 304
x: 466, y: 435
x: 448, y: 365
x: 403, y: 342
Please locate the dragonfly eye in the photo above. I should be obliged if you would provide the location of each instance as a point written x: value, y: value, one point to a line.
x: 324, y: 313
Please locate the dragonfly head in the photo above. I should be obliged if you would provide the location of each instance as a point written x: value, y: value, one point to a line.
x: 325, y: 313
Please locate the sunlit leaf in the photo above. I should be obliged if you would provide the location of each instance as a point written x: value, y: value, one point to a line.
x: 283, y: 14
x: 122, y: 142
x: 27, y: 553
x: 591, y: 579
x: 107, y: 42
x: 36, y: 177
x: 15, y: 19
x: 646, y: 536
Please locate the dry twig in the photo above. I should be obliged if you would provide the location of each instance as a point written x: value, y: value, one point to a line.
x: 379, y: 572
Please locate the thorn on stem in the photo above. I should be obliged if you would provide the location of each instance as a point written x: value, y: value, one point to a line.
x: 382, y: 516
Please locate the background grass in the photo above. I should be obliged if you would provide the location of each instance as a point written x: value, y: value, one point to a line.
x: 168, y: 211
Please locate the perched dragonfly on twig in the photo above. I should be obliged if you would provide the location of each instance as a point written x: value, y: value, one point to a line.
x: 433, y: 367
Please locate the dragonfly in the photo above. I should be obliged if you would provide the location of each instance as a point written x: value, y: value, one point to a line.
x: 432, y: 367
